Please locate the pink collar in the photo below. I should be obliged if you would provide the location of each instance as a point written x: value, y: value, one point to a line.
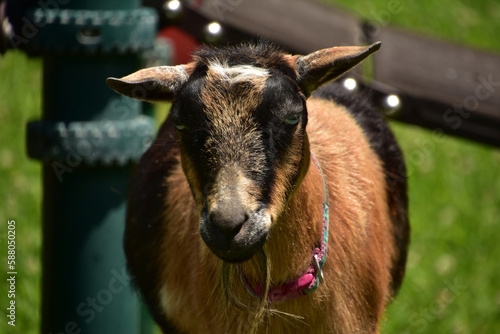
x: 309, y: 281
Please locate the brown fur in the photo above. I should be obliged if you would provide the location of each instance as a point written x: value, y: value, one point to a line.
x: 357, y: 269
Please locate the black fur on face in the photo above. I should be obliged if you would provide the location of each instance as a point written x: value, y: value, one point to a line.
x: 241, y: 123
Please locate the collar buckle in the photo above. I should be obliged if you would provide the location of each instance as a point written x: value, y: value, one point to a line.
x: 317, y: 268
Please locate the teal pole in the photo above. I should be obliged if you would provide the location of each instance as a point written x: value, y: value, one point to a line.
x: 88, y: 140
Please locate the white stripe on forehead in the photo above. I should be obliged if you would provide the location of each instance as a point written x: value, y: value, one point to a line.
x: 238, y: 73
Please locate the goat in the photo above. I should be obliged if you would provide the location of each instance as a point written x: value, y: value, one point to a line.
x: 251, y: 179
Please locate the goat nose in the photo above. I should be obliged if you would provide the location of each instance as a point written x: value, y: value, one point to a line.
x: 228, y: 220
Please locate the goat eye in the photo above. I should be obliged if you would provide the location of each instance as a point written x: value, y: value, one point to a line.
x: 180, y: 126
x: 292, y: 120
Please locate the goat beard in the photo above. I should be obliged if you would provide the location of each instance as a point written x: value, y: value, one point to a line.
x: 236, y: 292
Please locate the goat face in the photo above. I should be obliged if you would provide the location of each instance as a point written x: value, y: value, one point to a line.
x: 241, y: 131
x: 240, y: 116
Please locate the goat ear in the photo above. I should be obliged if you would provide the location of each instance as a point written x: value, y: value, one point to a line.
x: 159, y: 83
x: 325, y: 65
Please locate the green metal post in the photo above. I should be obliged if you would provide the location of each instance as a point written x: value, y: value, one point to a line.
x: 88, y: 140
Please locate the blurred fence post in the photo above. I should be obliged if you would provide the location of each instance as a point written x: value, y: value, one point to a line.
x: 88, y: 139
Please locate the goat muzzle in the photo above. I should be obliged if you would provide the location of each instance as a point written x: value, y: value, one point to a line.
x: 234, y: 234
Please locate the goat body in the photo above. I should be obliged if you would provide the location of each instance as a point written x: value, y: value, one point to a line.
x: 229, y: 180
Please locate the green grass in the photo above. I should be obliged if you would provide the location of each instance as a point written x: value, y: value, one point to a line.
x: 20, y: 188
x: 466, y: 22
x: 453, y: 276
x: 452, y: 283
